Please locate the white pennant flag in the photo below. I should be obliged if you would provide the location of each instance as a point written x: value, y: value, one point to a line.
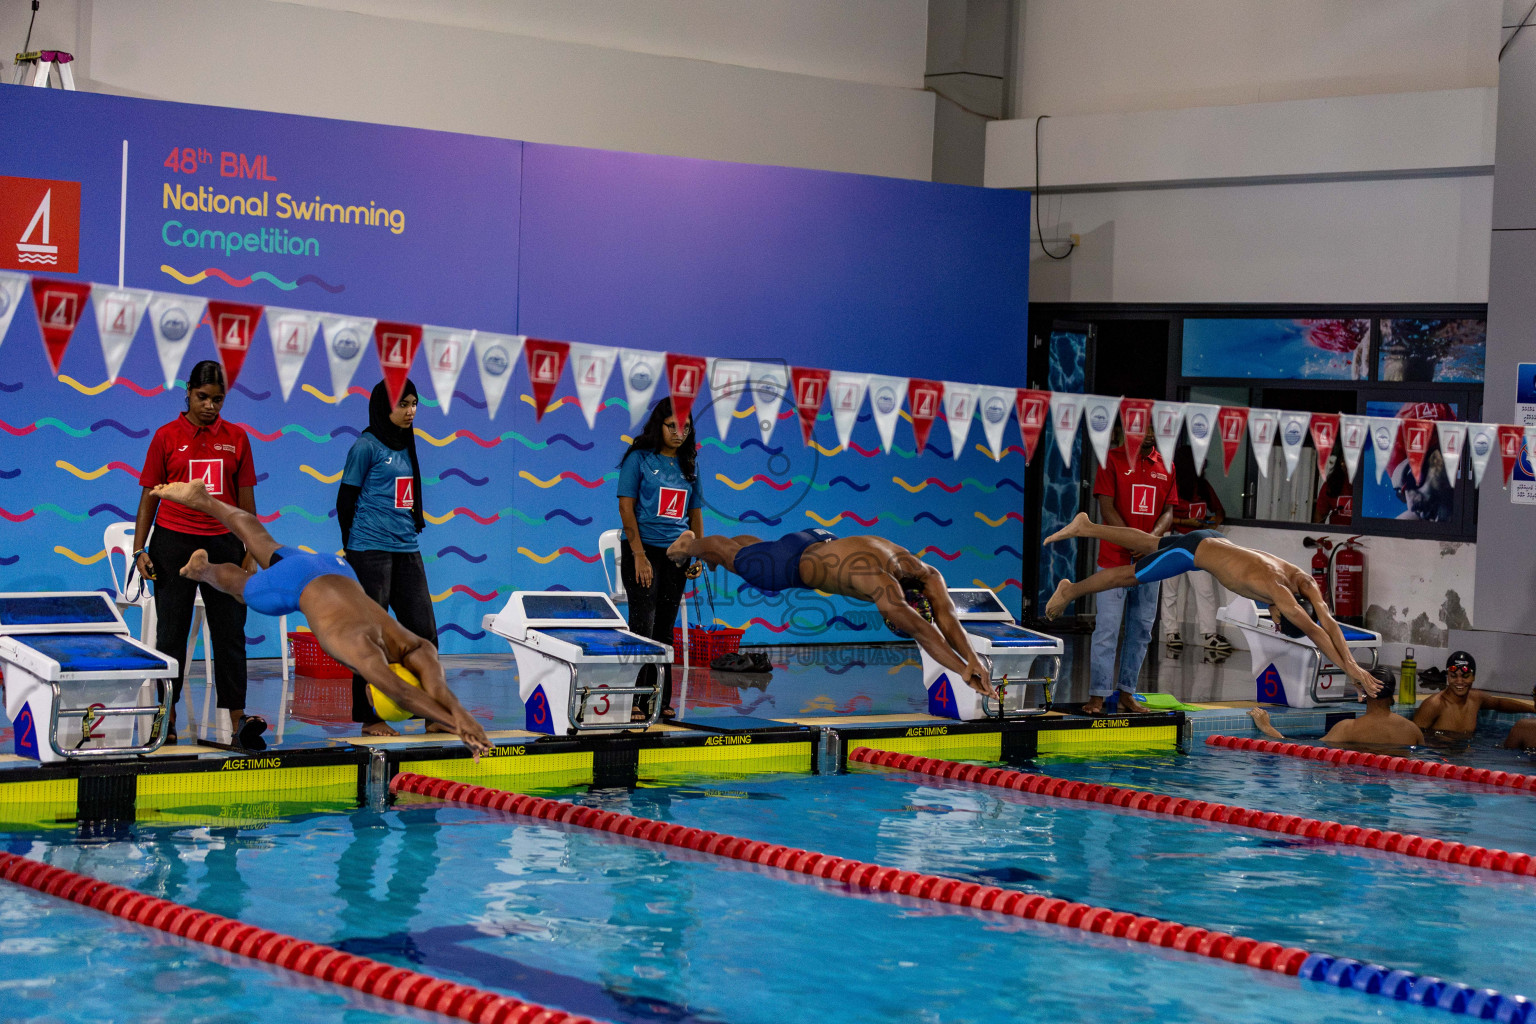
x: 1066, y: 413
x: 591, y: 365
x: 1293, y: 434
x: 1099, y: 412
x: 13, y: 288
x: 727, y: 383
x: 885, y: 397
x: 1453, y: 438
x: 446, y: 350
x: 845, y: 394
x: 118, y: 312
x: 1383, y: 437
x: 1263, y: 425
x: 1354, y: 431
x: 1200, y: 424
x: 641, y: 370
x: 173, y: 318
x: 1482, y: 441
x: 996, y: 404
x: 346, y: 339
x: 1167, y: 418
x: 293, y: 334
x: 770, y: 383
x: 959, y: 411
x: 495, y: 354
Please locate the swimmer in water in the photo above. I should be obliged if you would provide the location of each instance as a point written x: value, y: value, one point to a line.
x: 1378, y: 727
x: 347, y: 623
x: 1451, y: 714
x: 864, y: 568
x: 1256, y: 575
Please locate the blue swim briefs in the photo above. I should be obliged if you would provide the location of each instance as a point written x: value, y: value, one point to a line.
x: 1175, y: 555
x: 275, y: 590
x: 774, y: 565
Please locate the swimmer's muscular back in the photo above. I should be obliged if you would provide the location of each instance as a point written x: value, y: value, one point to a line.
x: 859, y: 567
x: 1257, y: 575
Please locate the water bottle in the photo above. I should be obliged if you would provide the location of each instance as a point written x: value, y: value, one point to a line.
x: 1408, y: 677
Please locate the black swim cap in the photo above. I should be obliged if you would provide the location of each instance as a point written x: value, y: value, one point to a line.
x: 1388, y: 685
x: 1461, y: 660
x: 1287, y: 627
x: 912, y: 592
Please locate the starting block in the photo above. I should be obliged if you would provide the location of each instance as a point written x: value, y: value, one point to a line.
x: 1016, y: 657
x: 1291, y: 670
x: 68, y: 656
x: 578, y: 664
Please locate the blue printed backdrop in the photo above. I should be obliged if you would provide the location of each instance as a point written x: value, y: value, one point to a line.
x: 716, y: 259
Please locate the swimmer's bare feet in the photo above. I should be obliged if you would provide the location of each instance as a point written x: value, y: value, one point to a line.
x: 1076, y: 528
x: 1059, y: 600
x: 379, y: 729
x: 197, y: 566
x: 681, y: 549
x: 191, y: 493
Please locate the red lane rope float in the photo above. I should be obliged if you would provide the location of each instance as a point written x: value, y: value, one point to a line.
x: 1237, y: 949
x: 1386, y: 762
x: 1269, y: 821
x: 327, y: 963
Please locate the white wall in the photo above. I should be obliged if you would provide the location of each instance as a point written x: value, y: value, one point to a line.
x: 827, y: 84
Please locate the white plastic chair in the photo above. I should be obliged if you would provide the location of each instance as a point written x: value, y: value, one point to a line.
x: 608, y: 549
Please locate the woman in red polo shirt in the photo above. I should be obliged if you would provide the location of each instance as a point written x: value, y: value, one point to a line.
x: 200, y: 445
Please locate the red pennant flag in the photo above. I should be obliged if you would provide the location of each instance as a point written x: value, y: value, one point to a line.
x: 686, y: 380
x: 1135, y: 417
x: 59, y: 305
x: 810, y: 391
x: 1415, y: 439
x: 1325, y: 431
x: 924, y: 398
x: 234, y: 325
x: 1034, y: 409
x: 546, y: 362
x: 1232, y: 420
x: 396, y: 345
x: 1510, y: 440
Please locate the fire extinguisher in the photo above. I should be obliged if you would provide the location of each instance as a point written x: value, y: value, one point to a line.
x: 1320, y: 559
x: 1349, y: 582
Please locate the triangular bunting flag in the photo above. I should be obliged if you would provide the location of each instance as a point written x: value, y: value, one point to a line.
x: 959, y: 410
x: 234, y: 328
x: 770, y: 383
x: 495, y: 354
x: 1383, y: 440
x: 1099, y: 413
x: 546, y: 361
x: 728, y: 379
x: 924, y: 399
x: 1066, y: 413
x: 118, y: 312
x: 345, y: 338
x: 12, y: 287
x: 1417, y: 435
x: 1453, y: 438
x: 995, y: 405
x: 641, y: 371
x: 1482, y: 439
x: 1033, y: 408
x: 1200, y: 423
x: 885, y: 398
x: 591, y: 365
x: 1354, y: 432
x: 293, y: 334
x: 1167, y: 418
x: 845, y: 393
x: 686, y: 382
x: 1135, y: 420
x: 810, y: 390
x: 1293, y: 434
x: 1325, y: 431
x: 447, y: 351
x: 1232, y: 421
x: 59, y: 305
x: 173, y: 318
x: 1263, y: 425
x: 1510, y: 440
x: 396, y: 344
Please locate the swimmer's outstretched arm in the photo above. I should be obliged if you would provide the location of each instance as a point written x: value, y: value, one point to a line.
x: 948, y: 623
x: 426, y: 702
x: 897, y: 612
x: 1325, y: 633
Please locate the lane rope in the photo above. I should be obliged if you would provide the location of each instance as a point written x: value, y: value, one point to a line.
x: 397, y: 984
x: 1386, y: 762
x: 1405, y: 843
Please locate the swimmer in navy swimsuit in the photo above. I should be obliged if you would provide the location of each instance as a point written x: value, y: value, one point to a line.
x: 865, y: 568
x: 348, y: 625
x: 1256, y: 575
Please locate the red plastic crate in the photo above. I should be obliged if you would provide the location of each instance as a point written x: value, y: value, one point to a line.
x: 310, y: 660
x: 705, y: 645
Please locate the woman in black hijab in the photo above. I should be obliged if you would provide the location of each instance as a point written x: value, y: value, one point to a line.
x: 379, y: 508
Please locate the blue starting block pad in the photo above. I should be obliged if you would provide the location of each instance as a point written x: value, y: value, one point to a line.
x: 1016, y: 658
x: 68, y: 658
x: 578, y: 664
x: 1290, y: 670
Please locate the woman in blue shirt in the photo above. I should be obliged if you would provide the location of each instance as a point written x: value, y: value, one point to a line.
x: 659, y: 498
x: 379, y: 508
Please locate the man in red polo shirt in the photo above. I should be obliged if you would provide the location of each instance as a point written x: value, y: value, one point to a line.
x: 1141, y: 496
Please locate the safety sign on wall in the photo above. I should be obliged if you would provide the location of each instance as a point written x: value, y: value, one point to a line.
x: 1522, y: 484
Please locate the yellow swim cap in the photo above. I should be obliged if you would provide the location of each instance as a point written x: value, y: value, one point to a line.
x: 386, y: 708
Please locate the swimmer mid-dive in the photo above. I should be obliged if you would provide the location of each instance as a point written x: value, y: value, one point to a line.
x: 864, y: 568
x: 1256, y: 575
x: 347, y: 623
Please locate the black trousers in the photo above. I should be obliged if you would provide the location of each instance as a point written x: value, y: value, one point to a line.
x: 653, y: 609
x: 397, y: 581
x: 174, y: 597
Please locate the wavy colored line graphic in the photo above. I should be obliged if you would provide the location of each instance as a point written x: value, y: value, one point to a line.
x: 752, y: 515
x: 323, y: 478
x: 252, y: 641
x: 546, y: 559
x: 755, y: 621
x: 1011, y: 449
x: 260, y: 275
x: 9, y: 559
x: 303, y: 513
x: 332, y: 399
x: 348, y: 431
x: 294, y: 428
x: 578, y: 520
x: 1010, y: 582
x: 935, y: 481
x: 259, y: 396
x: 138, y: 389
x: 97, y: 389
x: 129, y: 431
x: 459, y: 588
x: 932, y: 549
x: 20, y: 431
x: 756, y: 478
x: 11, y: 389
x: 844, y: 620
x: 567, y: 475
x: 471, y: 480
x: 837, y: 670
x: 999, y: 522
x: 272, y: 517
x: 552, y: 406
x: 80, y: 559
x: 1009, y: 482
x: 261, y: 478
x: 935, y: 520
x: 454, y: 627
x: 757, y: 442
x: 866, y: 452
x: 9, y: 474
x: 1007, y: 550
x: 108, y: 507
x: 452, y: 550
x: 845, y: 514
x: 578, y: 445
x: 472, y: 402
x: 461, y: 511
x: 861, y: 488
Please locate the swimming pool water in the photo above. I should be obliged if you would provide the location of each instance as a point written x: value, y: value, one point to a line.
x: 631, y: 932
